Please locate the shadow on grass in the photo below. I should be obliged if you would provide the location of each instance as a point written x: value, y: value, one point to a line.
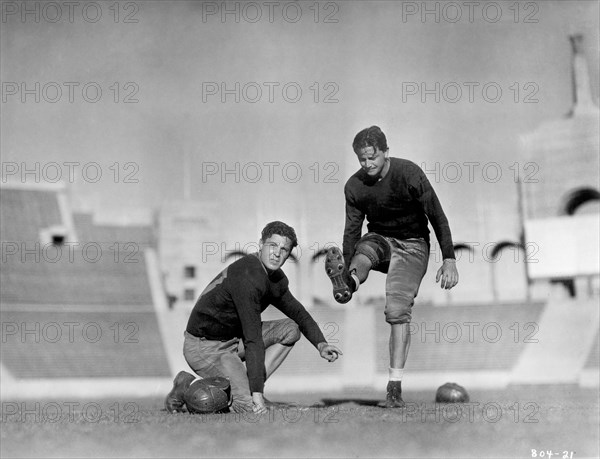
x: 342, y: 401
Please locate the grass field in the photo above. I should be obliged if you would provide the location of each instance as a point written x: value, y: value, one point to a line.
x: 563, y: 420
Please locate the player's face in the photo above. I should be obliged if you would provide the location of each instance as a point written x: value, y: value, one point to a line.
x: 274, y: 251
x: 372, y: 161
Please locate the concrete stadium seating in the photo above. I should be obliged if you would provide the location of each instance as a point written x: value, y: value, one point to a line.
x: 68, y: 314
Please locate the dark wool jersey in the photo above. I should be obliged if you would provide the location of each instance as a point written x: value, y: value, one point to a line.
x: 231, y: 305
x: 399, y: 206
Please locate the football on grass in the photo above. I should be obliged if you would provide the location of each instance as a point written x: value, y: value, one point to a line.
x: 451, y: 393
x: 208, y: 395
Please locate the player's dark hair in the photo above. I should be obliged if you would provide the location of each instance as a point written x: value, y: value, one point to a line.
x: 370, y: 137
x: 281, y: 229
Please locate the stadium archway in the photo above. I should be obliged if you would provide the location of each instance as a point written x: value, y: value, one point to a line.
x: 462, y: 246
x: 576, y: 198
x: 500, y: 246
x: 319, y: 254
x: 571, y: 202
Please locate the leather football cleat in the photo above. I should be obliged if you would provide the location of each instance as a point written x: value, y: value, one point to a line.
x: 174, y: 401
x: 394, y: 395
x: 340, y: 278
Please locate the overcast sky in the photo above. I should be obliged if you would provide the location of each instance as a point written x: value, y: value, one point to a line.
x: 307, y: 77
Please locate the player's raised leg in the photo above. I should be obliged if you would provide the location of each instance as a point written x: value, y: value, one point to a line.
x: 345, y: 281
x: 372, y: 252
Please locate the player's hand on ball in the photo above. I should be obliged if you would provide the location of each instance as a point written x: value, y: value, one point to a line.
x: 329, y: 352
x: 259, y: 403
x: 448, y: 274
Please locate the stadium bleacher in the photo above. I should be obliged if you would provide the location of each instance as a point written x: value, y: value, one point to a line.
x: 77, y: 307
x: 489, y: 337
x: 95, y: 314
x: 25, y: 211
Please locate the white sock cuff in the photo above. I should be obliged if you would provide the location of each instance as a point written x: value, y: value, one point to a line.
x: 396, y: 374
x: 356, y: 281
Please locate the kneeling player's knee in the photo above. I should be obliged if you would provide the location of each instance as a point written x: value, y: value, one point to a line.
x: 290, y: 334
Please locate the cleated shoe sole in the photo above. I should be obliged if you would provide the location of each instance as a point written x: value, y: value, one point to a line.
x: 336, y: 270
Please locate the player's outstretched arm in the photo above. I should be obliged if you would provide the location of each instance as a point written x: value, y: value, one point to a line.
x: 329, y: 351
x: 448, y: 274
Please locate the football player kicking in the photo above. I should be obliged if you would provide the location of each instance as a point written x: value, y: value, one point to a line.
x: 398, y: 201
x: 225, y: 327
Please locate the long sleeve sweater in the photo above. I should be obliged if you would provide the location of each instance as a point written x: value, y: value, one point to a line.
x: 231, y: 306
x: 399, y: 205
